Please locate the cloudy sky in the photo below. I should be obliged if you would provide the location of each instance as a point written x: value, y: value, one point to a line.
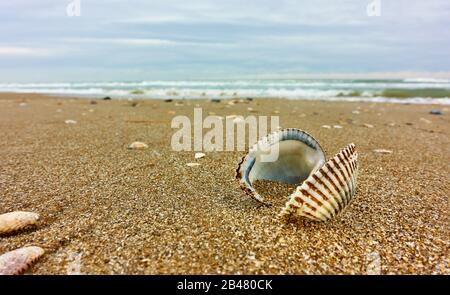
x: 179, y: 39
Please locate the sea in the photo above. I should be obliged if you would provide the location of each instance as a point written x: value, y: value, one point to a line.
x: 414, y: 91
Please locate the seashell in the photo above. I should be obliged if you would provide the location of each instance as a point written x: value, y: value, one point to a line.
x: 17, y: 261
x: 137, y: 145
x: 382, y: 151
x: 199, y: 155
x: 327, y: 191
x: 325, y: 187
x: 17, y: 220
x: 70, y: 122
x: 193, y: 164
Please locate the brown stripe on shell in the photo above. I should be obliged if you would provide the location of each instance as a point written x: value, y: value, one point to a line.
x: 336, y: 177
x: 331, y: 206
x: 328, y: 190
x: 331, y: 179
x: 343, y: 165
x: 322, y: 203
x: 337, y: 169
x: 305, y: 196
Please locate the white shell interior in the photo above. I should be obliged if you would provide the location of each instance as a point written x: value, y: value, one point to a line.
x: 296, y: 161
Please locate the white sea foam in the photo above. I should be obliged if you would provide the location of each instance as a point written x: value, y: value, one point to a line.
x: 342, y: 90
x: 427, y: 80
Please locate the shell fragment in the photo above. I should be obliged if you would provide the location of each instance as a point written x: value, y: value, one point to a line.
x: 137, y: 145
x: 17, y: 261
x: 17, y: 220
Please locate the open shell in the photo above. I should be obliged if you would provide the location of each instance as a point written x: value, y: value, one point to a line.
x: 17, y: 220
x: 17, y: 261
x: 325, y: 188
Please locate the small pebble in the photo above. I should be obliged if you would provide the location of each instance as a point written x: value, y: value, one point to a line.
x: 436, y: 112
x: 425, y: 120
x: 410, y: 244
x: 199, y: 155
x: 70, y: 122
x: 368, y: 125
x: 137, y: 145
x: 337, y: 126
x: 193, y: 164
x: 382, y: 151
x: 326, y: 126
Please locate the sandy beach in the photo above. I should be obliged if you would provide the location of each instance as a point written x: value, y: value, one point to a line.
x: 106, y: 209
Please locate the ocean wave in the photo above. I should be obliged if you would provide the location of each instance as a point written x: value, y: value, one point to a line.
x: 426, y: 80
x: 293, y: 84
x: 425, y: 91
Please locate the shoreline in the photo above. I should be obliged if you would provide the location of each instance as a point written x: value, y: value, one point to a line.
x: 147, y: 212
x: 442, y: 101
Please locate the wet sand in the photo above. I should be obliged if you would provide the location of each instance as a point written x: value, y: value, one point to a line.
x: 119, y: 211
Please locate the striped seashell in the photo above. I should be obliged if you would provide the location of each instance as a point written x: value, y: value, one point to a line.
x: 327, y: 191
x: 325, y: 188
x: 17, y: 261
x: 17, y: 220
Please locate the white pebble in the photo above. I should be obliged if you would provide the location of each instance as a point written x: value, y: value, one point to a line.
x: 137, y: 145
x: 425, y: 120
x: 199, y: 155
x: 70, y: 122
x: 193, y: 164
x: 382, y: 151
